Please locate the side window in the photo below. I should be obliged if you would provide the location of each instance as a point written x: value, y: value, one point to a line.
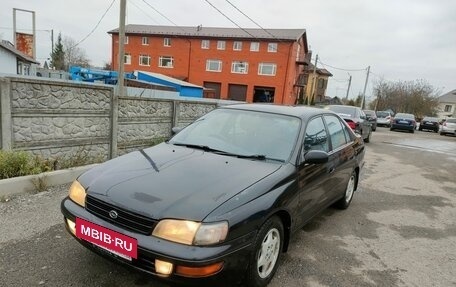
x: 336, y: 131
x: 316, y: 137
x: 348, y: 135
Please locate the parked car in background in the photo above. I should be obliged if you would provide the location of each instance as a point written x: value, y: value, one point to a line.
x: 218, y: 202
x: 384, y: 119
x: 355, y: 118
x: 429, y: 123
x: 372, y: 118
x: 448, y: 127
x: 403, y: 121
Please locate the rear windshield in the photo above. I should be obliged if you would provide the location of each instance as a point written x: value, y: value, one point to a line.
x: 369, y: 113
x: 343, y: 110
x: 430, y: 119
x: 382, y: 114
x: 405, y: 116
x: 453, y: 121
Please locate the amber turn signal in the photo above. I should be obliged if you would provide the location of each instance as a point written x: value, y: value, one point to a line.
x: 202, y: 271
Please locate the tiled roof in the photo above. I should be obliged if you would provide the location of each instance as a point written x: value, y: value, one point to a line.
x: 449, y: 97
x: 213, y: 32
x: 7, y: 46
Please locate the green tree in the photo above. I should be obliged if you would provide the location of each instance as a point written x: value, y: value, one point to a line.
x: 58, y: 55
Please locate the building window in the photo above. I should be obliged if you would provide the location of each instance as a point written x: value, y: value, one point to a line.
x: 214, y: 65
x: 144, y: 60
x: 237, y: 46
x: 272, y: 47
x: 126, y: 40
x: 166, y: 62
x: 127, y: 59
x: 167, y: 42
x: 221, y: 45
x: 267, y: 69
x: 254, y: 46
x: 145, y: 41
x: 240, y: 67
x: 205, y: 44
x: 448, y: 108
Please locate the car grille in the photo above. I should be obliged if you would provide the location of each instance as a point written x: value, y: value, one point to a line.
x: 125, y: 219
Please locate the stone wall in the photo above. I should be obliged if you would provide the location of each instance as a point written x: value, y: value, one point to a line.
x: 63, y: 120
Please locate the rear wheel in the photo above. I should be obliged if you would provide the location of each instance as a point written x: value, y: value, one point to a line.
x: 367, y: 139
x: 266, y: 254
x: 344, y: 202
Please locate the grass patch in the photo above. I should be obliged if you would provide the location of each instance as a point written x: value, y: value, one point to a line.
x: 20, y: 163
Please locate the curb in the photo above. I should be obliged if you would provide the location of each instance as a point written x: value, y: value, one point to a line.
x: 24, y: 184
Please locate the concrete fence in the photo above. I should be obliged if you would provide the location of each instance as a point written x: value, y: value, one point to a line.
x: 59, y: 119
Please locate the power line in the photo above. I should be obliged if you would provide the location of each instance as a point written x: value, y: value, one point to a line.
x: 96, y: 26
x: 139, y: 8
x: 343, y: 69
x: 161, y: 14
x: 218, y: 10
x: 234, y: 6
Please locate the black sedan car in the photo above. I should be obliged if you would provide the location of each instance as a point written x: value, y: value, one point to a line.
x: 218, y: 202
x: 355, y: 118
x: 403, y: 121
x: 429, y: 123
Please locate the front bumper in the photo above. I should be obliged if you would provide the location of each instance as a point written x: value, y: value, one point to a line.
x: 383, y: 122
x: 234, y: 254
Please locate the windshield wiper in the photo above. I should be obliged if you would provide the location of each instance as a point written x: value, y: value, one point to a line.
x: 217, y: 151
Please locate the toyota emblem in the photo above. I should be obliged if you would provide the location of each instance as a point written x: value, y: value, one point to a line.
x: 113, y: 214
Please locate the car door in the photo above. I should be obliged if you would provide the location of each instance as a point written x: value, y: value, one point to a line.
x: 312, y: 178
x: 365, y: 124
x: 340, y: 155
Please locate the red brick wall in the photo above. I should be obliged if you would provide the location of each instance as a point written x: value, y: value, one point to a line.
x: 192, y: 66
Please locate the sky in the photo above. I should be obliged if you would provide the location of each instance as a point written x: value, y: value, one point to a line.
x: 401, y: 40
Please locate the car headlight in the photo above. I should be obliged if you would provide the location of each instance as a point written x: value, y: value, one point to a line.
x: 77, y: 193
x: 190, y: 232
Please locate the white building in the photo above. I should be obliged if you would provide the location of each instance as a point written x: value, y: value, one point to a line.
x: 447, y: 105
x: 13, y: 61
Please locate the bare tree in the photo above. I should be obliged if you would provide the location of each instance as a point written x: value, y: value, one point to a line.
x: 74, y: 55
x: 416, y: 97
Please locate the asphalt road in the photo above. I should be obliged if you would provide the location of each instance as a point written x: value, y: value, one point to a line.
x: 399, y: 231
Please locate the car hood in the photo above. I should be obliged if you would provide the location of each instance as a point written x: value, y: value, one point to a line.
x: 168, y: 181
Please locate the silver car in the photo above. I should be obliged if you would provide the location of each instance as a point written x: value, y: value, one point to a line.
x: 384, y: 119
x: 448, y: 127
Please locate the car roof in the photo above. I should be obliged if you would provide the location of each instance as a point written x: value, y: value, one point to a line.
x: 303, y: 112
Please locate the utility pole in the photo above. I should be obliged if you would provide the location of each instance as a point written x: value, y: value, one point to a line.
x: 348, y: 89
x: 120, y: 81
x: 309, y: 100
x: 365, y: 86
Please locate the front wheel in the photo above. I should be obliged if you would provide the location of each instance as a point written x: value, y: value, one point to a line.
x: 344, y: 202
x: 266, y: 254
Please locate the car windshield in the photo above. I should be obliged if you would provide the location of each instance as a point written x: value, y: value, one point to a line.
x: 405, y: 116
x: 369, y: 113
x: 382, y: 114
x: 242, y: 133
x: 343, y: 110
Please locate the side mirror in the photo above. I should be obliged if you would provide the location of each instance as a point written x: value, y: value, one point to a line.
x: 316, y: 157
x: 176, y: 130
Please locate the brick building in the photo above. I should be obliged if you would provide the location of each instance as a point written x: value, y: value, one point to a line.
x: 252, y: 65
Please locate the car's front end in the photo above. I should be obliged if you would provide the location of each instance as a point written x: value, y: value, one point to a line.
x: 166, y: 259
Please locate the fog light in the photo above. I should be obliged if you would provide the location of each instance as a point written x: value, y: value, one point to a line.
x: 72, y: 226
x: 163, y: 267
x: 202, y: 271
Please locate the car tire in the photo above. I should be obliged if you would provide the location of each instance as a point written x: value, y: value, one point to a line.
x: 412, y: 131
x: 374, y: 129
x: 345, y: 201
x: 420, y: 129
x: 391, y: 129
x: 442, y: 134
x: 265, y: 257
